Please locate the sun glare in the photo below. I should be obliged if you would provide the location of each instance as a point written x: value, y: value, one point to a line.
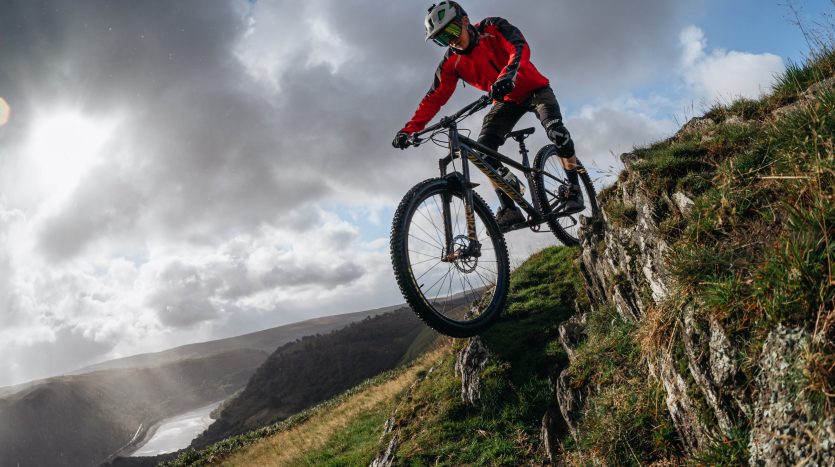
x: 62, y: 147
x: 5, y: 111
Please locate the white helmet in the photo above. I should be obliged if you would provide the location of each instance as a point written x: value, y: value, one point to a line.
x: 439, y: 17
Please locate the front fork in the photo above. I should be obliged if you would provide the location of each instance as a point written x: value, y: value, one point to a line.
x: 473, y: 247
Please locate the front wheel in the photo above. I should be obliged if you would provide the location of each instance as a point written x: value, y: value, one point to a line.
x: 547, y: 185
x: 458, y: 289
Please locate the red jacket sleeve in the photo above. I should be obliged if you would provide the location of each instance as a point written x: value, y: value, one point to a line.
x: 514, y: 42
x: 442, y: 88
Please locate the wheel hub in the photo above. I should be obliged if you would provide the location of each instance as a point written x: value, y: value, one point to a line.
x: 465, y: 253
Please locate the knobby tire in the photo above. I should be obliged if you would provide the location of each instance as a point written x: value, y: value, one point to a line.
x: 429, y: 309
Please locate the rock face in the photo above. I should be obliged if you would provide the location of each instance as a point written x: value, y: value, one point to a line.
x: 551, y: 433
x: 471, y: 360
x: 388, y: 456
x: 784, y: 431
x: 624, y: 264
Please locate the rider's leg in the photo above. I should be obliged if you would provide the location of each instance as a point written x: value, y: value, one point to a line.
x: 498, y: 122
x: 544, y: 104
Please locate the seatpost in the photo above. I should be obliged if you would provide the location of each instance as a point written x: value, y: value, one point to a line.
x: 524, y: 151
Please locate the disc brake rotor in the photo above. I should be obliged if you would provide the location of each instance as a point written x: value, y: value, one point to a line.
x: 463, y: 261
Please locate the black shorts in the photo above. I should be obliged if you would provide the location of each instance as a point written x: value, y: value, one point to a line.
x: 501, y: 119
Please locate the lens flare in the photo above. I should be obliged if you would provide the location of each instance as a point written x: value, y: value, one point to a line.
x: 5, y: 111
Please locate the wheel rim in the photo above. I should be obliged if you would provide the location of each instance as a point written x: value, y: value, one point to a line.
x: 570, y: 224
x: 460, y: 289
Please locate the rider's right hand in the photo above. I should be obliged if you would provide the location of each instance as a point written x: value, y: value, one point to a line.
x: 401, y: 140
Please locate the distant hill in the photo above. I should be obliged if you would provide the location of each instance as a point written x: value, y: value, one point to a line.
x: 85, y: 417
x: 303, y: 373
x: 267, y: 341
x: 82, y: 419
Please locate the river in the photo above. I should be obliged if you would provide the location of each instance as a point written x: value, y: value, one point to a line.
x: 177, y: 432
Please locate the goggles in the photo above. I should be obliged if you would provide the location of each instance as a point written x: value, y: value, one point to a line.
x: 449, y: 33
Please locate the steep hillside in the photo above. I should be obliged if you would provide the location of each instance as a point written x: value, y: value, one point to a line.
x: 81, y: 420
x: 315, y: 368
x: 124, y: 398
x: 712, y: 276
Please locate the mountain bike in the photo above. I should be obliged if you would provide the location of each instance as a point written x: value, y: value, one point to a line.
x: 448, y: 252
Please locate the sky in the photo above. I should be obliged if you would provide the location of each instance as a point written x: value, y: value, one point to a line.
x: 174, y: 172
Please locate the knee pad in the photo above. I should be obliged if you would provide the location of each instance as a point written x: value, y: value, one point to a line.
x: 559, y: 135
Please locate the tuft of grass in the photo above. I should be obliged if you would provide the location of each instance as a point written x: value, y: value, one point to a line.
x: 726, y: 451
x: 744, y: 109
x: 798, y: 77
x: 620, y: 215
x: 626, y: 421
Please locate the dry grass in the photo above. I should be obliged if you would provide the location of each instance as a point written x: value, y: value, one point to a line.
x: 286, y: 447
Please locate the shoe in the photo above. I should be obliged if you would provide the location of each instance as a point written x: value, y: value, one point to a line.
x: 507, y: 217
x: 573, y: 196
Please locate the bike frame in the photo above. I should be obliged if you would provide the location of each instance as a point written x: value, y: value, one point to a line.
x: 471, y: 151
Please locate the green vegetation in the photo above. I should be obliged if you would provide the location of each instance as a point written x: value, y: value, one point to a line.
x: 355, y: 444
x: 626, y: 420
x: 727, y: 451
x: 503, y: 428
x: 756, y: 249
x: 315, y: 368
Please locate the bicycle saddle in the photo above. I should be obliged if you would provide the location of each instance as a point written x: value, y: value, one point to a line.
x: 519, y: 135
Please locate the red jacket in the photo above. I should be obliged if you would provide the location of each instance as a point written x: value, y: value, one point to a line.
x: 497, y: 49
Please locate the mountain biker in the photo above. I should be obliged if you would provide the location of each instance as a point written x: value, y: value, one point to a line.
x: 493, y: 56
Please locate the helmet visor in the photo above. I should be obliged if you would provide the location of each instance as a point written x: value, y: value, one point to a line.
x: 449, y: 33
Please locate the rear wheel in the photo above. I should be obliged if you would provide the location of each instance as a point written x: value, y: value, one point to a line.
x: 546, y: 190
x: 459, y: 292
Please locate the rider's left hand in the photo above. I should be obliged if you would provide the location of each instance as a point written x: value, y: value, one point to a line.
x: 401, y: 140
x: 502, y: 87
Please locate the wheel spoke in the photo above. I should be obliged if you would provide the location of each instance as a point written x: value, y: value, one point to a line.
x: 437, y: 235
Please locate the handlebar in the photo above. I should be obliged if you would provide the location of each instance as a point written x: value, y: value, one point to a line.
x: 445, y: 122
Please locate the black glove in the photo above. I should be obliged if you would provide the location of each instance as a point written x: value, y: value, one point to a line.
x: 501, y: 88
x: 401, y: 140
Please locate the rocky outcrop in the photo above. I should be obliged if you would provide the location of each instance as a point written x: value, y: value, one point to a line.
x: 680, y: 404
x: 469, y: 364
x: 551, y: 433
x: 784, y: 429
x: 626, y: 266
x: 571, y: 402
x: 388, y: 456
x: 571, y: 333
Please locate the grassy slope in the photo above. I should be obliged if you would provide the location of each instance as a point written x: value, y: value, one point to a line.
x: 502, y: 430
x: 437, y: 428
x: 755, y: 252
x: 309, y: 425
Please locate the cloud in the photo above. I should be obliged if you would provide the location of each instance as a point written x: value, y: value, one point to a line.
x: 610, y: 130
x: 721, y: 75
x: 239, y: 135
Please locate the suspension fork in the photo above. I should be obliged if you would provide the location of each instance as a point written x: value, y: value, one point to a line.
x: 474, y: 248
